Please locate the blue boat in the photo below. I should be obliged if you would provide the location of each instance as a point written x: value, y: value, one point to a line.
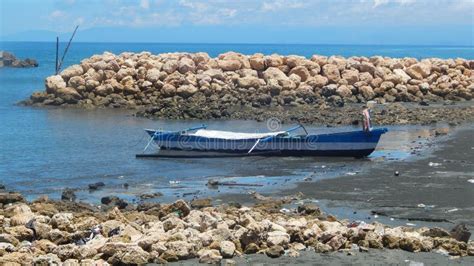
x: 199, y: 141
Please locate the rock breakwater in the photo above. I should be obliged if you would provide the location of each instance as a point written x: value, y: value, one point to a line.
x: 193, y: 85
x: 51, y: 232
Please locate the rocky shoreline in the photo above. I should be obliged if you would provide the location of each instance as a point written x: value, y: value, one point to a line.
x: 233, y: 85
x: 48, y: 232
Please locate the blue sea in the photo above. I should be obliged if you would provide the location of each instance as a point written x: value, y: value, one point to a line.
x: 44, y: 150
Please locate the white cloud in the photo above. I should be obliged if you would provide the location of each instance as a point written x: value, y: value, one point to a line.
x: 399, y: 2
x: 56, y: 14
x: 282, y: 4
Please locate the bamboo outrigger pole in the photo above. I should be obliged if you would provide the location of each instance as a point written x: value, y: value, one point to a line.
x: 58, y: 68
x: 57, y: 51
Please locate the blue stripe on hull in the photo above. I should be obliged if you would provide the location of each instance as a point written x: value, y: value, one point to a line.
x: 300, y: 153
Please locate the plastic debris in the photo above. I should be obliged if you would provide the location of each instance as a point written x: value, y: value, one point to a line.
x: 284, y: 210
x: 421, y: 205
x: 453, y: 210
x: 414, y: 263
x: 471, y: 181
x: 432, y: 164
x: 351, y: 173
x: 410, y: 224
x: 442, y: 251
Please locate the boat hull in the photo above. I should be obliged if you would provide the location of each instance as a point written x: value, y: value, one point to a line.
x: 344, y: 144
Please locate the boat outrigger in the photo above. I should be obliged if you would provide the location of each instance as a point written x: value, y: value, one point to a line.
x: 201, y: 142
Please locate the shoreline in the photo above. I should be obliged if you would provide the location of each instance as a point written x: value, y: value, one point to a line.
x: 452, y: 113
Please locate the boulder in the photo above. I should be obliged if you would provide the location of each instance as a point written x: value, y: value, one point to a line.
x: 68, y: 94
x: 168, y: 90
x: 331, y: 72
x: 229, y: 65
x: 351, y: 76
x: 186, y: 65
x: 153, y: 75
x: 301, y: 71
x: 273, y: 60
x: 278, y: 238
x: 186, y: 91
x: 367, y: 67
x: 275, y: 251
x: 247, y: 82
x: 367, y: 92
x: 419, y: 71
x: 72, y: 71
x: 10, y: 197
x: 227, y: 249
x: 214, y: 73
x: 344, y: 91
x: 274, y: 73
x: 54, y: 83
x: 257, y: 62
x: 201, y: 203
x: 210, y: 256
x: 76, y: 82
x: 336, y: 242
x: 309, y: 209
x: 402, y: 75
x: 460, y: 232
x: 170, y: 66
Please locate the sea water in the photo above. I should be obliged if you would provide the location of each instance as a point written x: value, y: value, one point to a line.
x: 44, y: 150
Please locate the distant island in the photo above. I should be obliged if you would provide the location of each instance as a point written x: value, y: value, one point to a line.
x: 8, y: 59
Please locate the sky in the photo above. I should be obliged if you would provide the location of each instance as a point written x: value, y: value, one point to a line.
x: 417, y: 22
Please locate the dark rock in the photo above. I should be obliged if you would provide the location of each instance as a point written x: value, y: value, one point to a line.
x: 96, y: 186
x: 68, y: 194
x: 125, y: 185
x: 114, y: 201
x: 461, y: 233
x: 309, y: 208
x: 275, y: 251
x: 436, y: 232
x: 150, y: 195
x: 2, y: 186
x: 146, y: 206
x: 201, y: 203
x: 212, y: 183
x: 251, y: 248
x: 10, y: 197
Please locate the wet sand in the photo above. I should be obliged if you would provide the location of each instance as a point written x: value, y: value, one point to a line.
x: 373, y: 257
x: 433, y: 187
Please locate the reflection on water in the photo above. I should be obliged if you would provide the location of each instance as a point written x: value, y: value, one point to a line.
x: 46, y: 150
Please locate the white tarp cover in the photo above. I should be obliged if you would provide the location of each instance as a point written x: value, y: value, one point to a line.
x: 232, y: 135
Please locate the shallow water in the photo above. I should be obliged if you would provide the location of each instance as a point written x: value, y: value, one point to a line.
x: 62, y: 148
x: 42, y: 151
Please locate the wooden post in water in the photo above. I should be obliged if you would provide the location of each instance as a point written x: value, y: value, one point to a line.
x: 57, y: 52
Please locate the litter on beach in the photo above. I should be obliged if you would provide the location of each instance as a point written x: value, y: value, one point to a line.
x: 410, y: 224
